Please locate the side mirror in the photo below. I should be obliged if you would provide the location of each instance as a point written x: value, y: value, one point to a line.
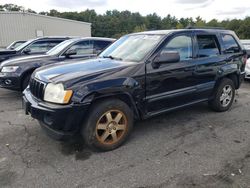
x: 69, y: 53
x: 167, y: 57
x: 26, y: 51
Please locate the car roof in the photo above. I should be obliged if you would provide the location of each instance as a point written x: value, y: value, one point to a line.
x: 92, y: 38
x: 166, y: 32
x: 56, y: 37
x: 75, y: 38
x: 98, y: 38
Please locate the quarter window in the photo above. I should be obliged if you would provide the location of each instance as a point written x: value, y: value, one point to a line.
x: 208, y: 46
x: 230, y: 44
x: 181, y: 44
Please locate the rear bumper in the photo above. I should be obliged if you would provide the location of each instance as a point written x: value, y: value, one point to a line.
x: 59, y: 121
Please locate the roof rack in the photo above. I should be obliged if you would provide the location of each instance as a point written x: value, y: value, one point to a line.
x: 205, y: 27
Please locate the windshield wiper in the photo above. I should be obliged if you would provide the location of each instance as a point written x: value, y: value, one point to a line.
x: 112, y: 57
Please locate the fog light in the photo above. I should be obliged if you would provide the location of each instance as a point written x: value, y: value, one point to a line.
x: 48, y: 119
x: 7, y: 82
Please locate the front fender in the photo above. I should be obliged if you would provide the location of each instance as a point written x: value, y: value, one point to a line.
x: 88, y: 91
x: 128, y: 89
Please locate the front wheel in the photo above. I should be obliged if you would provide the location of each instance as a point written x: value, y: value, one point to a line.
x: 223, y: 96
x: 108, y: 125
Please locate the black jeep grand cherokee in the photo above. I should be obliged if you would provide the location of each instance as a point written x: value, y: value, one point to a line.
x: 139, y: 76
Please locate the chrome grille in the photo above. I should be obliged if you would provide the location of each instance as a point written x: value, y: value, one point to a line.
x: 36, y: 88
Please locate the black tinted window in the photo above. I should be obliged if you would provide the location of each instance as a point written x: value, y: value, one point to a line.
x: 100, y: 45
x: 208, y: 46
x: 181, y: 44
x: 230, y: 44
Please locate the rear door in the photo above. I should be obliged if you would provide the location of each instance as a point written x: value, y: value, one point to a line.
x: 232, y: 50
x: 208, y: 58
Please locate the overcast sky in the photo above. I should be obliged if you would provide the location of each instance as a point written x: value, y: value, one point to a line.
x: 207, y: 9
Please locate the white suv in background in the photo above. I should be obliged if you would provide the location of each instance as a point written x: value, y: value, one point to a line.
x: 246, y: 44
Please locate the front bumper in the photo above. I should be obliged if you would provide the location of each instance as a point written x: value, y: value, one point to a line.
x: 59, y: 121
x: 10, y: 81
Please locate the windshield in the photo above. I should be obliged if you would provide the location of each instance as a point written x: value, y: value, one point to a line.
x: 60, y: 47
x: 132, y: 47
x: 23, y: 45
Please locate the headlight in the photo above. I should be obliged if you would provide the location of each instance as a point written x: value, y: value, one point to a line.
x: 55, y: 93
x: 9, y: 69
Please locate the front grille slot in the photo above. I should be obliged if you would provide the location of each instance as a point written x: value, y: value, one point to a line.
x: 37, y: 88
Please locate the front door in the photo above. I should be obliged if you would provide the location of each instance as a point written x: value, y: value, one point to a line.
x: 171, y: 84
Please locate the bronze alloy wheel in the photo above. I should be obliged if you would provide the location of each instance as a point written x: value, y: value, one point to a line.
x: 111, y: 127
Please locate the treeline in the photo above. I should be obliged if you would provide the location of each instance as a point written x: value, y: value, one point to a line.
x: 117, y: 23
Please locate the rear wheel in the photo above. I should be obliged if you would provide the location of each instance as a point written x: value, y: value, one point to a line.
x: 108, y: 125
x: 223, y: 96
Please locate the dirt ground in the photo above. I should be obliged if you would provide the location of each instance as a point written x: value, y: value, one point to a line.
x: 192, y: 147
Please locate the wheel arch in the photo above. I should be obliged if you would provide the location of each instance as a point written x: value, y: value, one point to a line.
x: 27, y: 72
x: 234, y: 76
x: 123, y: 96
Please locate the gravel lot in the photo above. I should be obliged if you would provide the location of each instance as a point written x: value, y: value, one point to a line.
x: 194, y: 147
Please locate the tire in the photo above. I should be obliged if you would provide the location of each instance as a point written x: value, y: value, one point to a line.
x: 223, y: 96
x: 108, y: 125
x: 25, y: 82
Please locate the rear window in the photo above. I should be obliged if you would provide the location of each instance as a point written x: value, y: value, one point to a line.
x: 230, y: 44
x: 208, y: 46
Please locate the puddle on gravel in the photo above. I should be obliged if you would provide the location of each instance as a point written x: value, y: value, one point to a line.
x: 75, y: 147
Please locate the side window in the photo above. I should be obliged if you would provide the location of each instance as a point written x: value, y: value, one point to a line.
x: 83, y: 48
x: 39, y: 47
x: 100, y: 45
x: 208, y: 46
x: 181, y: 44
x: 230, y: 44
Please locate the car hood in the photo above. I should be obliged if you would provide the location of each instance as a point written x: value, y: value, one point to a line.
x: 71, y: 70
x: 17, y: 61
x: 6, y: 52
